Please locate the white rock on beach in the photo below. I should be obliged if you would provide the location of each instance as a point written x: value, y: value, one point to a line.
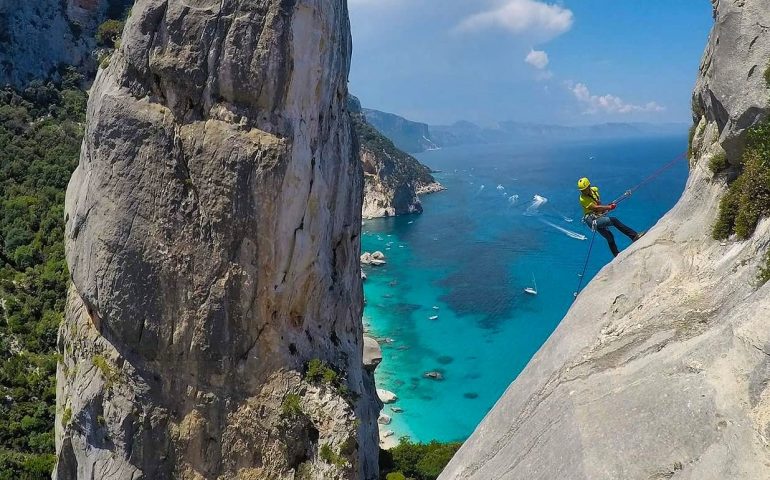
x: 372, y: 353
x: 384, y: 419
x: 388, y: 439
x: 386, y: 396
x: 376, y: 258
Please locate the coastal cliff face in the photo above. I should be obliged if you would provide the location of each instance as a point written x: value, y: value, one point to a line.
x: 393, y: 179
x: 660, y: 369
x: 409, y: 136
x: 36, y: 37
x: 212, y: 231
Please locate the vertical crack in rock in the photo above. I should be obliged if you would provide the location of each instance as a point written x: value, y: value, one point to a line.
x: 218, y: 127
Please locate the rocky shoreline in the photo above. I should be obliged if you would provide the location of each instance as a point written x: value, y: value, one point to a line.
x: 373, y: 356
x: 429, y: 188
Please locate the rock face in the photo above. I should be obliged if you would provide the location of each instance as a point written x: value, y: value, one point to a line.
x: 392, y: 179
x: 660, y: 369
x: 731, y: 90
x: 213, y: 241
x: 36, y: 36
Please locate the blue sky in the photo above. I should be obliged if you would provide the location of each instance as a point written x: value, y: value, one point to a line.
x: 566, y: 62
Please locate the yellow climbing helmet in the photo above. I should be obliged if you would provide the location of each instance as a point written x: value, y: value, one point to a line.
x: 583, y: 183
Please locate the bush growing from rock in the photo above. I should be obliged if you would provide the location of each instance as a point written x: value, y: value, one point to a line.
x: 109, y: 33
x: 291, y: 406
x: 748, y: 198
x: 718, y: 163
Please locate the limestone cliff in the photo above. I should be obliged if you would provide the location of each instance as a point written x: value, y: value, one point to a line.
x: 38, y: 36
x: 661, y: 367
x: 393, y: 179
x: 212, y: 231
x: 409, y: 136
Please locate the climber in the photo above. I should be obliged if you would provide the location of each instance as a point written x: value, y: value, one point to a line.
x: 594, y: 215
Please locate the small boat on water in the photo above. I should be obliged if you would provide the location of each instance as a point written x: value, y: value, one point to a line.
x: 531, y: 290
x: 434, y: 317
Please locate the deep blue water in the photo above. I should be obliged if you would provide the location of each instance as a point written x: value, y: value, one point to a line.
x: 471, y: 254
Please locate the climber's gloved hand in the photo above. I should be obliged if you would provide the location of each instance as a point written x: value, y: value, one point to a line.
x: 612, y: 207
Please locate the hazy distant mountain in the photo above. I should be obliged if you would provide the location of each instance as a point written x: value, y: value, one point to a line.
x: 415, y: 137
x: 412, y: 137
x: 464, y: 133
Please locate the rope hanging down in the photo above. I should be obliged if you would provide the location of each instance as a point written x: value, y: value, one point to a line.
x: 585, y: 265
x: 627, y: 194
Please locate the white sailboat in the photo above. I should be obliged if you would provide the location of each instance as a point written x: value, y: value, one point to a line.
x: 532, y: 290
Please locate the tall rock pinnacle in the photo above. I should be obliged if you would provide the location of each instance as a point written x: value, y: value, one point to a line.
x: 212, y: 237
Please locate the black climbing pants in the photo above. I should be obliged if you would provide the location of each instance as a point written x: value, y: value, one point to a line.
x: 603, y: 224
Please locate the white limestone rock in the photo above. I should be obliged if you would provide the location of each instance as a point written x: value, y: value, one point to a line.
x: 386, y: 396
x: 372, y: 353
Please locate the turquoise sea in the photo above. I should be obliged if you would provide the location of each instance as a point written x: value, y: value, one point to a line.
x: 471, y: 253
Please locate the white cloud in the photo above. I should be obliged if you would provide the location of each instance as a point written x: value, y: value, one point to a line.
x: 609, y: 103
x: 537, y: 58
x: 541, y: 20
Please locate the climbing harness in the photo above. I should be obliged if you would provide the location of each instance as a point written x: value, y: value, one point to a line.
x: 625, y: 195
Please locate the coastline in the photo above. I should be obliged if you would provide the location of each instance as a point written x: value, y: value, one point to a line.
x: 389, y: 433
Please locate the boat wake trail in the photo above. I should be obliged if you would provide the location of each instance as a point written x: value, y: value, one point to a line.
x: 568, y: 233
x: 537, y: 202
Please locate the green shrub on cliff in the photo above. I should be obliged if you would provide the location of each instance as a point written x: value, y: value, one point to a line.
x: 328, y: 455
x: 748, y: 197
x: 690, y: 138
x: 767, y: 75
x: 764, y: 271
x: 41, y: 129
x: 108, y: 33
x: 718, y: 163
x: 291, y: 406
x: 395, y: 476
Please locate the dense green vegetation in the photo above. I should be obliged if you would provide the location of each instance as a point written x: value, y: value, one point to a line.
x: 41, y: 129
x: 416, y: 461
x: 748, y: 197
